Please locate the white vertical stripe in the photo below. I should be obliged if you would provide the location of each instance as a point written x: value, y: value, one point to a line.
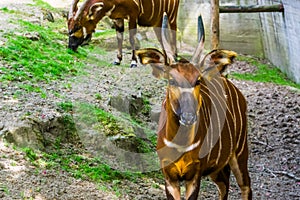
x: 137, y: 3
x: 159, y: 11
x: 231, y: 115
x: 141, y: 7
x: 153, y: 8
x: 219, y: 98
x: 243, y: 146
x: 172, y: 14
x: 239, y: 114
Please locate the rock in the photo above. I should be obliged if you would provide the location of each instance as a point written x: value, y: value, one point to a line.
x: 47, y: 15
x: 125, y: 142
x: 2, y: 166
x: 24, y: 136
x: 127, y: 104
x: 39, y: 134
x: 34, y: 36
x: 155, y: 113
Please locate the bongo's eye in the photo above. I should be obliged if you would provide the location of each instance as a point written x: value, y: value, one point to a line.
x: 172, y: 82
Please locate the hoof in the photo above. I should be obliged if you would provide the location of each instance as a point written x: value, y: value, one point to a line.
x: 133, y: 65
x: 116, y: 63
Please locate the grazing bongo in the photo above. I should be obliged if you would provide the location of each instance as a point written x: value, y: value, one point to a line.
x: 83, y: 21
x: 203, y: 125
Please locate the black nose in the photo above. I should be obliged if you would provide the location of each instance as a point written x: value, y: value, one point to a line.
x: 73, y: 47
x: 187, y: 119
x: 74, y: 42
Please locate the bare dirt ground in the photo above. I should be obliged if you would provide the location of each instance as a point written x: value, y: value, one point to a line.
x: 274, y: 136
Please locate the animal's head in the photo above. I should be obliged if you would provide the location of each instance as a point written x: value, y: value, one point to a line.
x: 82, y: 22
x: 185, y: 78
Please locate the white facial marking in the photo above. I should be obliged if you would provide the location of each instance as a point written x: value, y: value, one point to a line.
x: 180, y: 148
x: 84, y: 32
x: 189, y: 90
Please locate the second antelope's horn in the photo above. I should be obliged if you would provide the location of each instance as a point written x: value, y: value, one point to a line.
x: 73, y: 8
x: 79, y: 13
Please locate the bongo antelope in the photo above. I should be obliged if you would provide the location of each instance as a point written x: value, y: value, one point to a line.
x: 82, y: 22
x: 203, y: 124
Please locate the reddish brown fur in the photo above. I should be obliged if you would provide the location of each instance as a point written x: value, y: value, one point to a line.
x: 83, y: 21
x: 141, y: 12
x: 209, y: 146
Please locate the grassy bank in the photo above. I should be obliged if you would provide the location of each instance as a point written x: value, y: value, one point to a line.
x: 265, y: 73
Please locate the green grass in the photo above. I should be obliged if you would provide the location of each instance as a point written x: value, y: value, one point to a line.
x: 31, y: 61
x: 6, y: 10
x: 110, y: 125
x: 103, y: 121
x: 81, y: 166
x: 66, y: 106
x: 44, y: 59
x: 33, y: 88
x: 42, y: 4
x: 264, y: 73
x: 4, y: 188
x: 91, y: 115
x: 107, y: 33
x: 78, y: 165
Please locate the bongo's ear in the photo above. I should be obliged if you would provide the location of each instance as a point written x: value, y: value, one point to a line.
x: 155, y: 58
x: 216, y: 62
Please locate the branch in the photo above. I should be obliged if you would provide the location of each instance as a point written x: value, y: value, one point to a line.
x: 251, y: 9
x: 288, y: 174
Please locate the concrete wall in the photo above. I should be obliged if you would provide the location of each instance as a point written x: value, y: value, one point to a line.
x: 281, y: 40
x: 238, y: 32
x: 268, y: 35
